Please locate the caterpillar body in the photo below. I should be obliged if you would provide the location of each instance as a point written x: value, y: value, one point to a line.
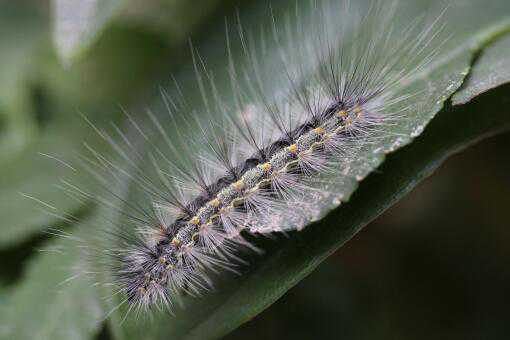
x: 262, y: 160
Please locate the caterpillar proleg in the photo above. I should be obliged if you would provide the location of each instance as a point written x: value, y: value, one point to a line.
x: 259, y: 159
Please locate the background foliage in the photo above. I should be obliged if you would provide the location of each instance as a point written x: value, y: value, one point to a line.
x: 433, y: 264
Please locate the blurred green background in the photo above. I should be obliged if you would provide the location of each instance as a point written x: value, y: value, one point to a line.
x: 434, y: 266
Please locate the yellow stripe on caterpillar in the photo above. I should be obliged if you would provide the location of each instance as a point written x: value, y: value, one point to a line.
x: 319, y: 130
x: 292, y: 148
x: 265, y: 166
x: 239, y: 185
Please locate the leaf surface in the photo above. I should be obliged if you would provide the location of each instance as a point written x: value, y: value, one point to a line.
x: 491, y: 70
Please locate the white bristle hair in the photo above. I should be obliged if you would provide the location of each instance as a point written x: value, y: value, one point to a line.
x: 254, y: 160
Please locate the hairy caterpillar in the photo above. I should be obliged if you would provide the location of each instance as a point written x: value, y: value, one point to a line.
x: 257, y: 159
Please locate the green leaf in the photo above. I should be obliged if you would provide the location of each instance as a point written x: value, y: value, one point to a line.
x: 77, y: 23
x: 289, y: 260
x: 492, y: 69
x: 51, y: 302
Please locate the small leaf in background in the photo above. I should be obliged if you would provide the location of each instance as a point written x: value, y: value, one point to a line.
x: 77, y: 23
